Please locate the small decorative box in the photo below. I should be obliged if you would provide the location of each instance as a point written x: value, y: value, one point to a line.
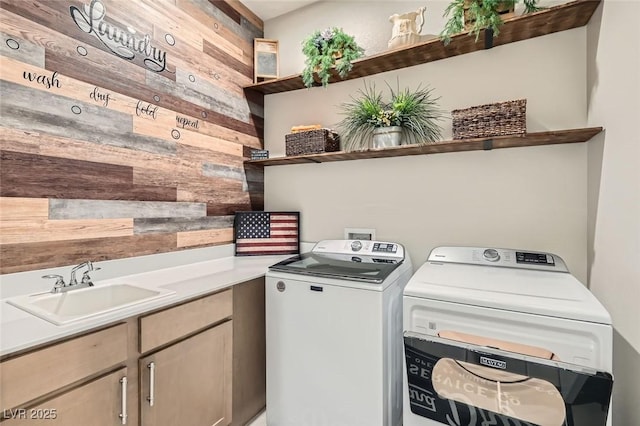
x: 312, y: 142
x: 498, y: 119
x: 259, y: 154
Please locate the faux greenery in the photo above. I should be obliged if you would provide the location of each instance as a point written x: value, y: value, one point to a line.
x: 416, y: 112
x: 483, y: 13
x: 325, y: 50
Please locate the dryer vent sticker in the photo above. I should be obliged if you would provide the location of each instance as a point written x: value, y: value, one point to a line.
x: 448, y: 384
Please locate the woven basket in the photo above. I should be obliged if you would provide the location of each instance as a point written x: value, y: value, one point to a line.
x: 311, y: 142
x: 499, y: 119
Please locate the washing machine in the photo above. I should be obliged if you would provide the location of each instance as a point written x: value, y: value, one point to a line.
x: 504, y: 337
x: 334, y: 335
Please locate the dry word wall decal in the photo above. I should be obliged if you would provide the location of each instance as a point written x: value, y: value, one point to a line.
x: 123, y: 43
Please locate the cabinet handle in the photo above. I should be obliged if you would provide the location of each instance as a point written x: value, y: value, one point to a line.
x: 152, y: 382
x: 123, y: 415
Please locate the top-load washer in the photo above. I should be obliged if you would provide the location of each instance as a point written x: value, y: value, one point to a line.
x: 504, y: 337
x: 334, y: 335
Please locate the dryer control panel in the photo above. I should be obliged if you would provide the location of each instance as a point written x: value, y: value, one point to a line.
x: 501, y: 257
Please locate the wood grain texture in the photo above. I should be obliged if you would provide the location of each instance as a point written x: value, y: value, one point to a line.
x: 35, y: 231
x: 56, y: 15
x: 105, y: 157
x: 242, y: 10
x: 25, y: 256
x: 213, y: 51
x: 168, y: 325
x: 89, y: 73
x: 96, y: 403
x: 481, y: 144
x: 27, y: 377
x: 249, y: 351
x: 62, y: 116
x: 193, y: 383
x: 204, y: 13
x: 115, y: 209
x: 180, y: 224
x: 21, y: 50
x: 39, y: 176
x: 557, y: 18
x: 205, y: 237
x: 14, y: 208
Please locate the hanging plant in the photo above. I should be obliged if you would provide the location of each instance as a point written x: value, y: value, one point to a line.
x: 326, y: 50
x: 474, y: 16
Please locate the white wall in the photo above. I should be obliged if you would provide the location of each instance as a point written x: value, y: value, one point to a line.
x: 533, y: 198
x: 614, y: 190
x: 580, y: 201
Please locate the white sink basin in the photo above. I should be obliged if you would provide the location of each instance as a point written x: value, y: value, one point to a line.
x: 76, y: 305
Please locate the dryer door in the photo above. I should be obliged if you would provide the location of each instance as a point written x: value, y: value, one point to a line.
x: 467, y: 385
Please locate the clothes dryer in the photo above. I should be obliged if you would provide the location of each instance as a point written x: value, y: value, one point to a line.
x: 504, y: 337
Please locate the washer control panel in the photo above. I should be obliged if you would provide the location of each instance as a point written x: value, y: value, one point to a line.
x: 384, y: 248
x: 508, y: 258
x: 378, y: 249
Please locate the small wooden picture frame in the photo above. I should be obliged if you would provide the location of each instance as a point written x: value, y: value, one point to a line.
x: 265, y: 62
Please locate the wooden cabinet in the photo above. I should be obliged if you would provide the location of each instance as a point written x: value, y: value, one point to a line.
x: 101, y: 402
x: 171, y: 324
x: 189, y: 383
x: 194, y: 361
x: 249, y: 351
x: 27, y: 379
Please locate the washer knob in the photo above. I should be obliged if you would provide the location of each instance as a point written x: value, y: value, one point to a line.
x: 491, y: 255
x: 356, y: 245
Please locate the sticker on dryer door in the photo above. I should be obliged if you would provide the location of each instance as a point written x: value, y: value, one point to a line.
x: 453, y: 385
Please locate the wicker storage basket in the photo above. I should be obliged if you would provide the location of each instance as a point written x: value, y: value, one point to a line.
x: 499, y: 119
x: 311, y: 142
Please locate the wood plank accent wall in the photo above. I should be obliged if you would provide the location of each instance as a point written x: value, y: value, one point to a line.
x: 124, y: 128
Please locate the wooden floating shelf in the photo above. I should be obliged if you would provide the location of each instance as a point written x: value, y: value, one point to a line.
x: 557, y: 18
x: 530, y: 139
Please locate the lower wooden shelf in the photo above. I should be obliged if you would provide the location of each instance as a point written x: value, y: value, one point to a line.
x: 529, y: 139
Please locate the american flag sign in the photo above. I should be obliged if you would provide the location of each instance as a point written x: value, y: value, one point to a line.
x: 263, y: 233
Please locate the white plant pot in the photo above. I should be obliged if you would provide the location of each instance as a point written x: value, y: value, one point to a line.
x: 385, y: 137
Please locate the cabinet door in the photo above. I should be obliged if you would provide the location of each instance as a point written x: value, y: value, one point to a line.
x: 97, y: 403
x: 189, y: 383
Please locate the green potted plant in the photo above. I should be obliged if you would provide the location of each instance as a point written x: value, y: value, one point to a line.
x: 476, y: 15
x: 408, y: 117
x: 328, y: 49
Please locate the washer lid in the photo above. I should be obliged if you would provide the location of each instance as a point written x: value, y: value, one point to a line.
x: 522, y: 290
x: 339, y: 266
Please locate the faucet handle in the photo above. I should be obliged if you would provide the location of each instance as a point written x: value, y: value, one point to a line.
x: 86, y: 279
x: 59, y: 282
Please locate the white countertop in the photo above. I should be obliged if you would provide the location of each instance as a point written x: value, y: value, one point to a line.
x: 20, y: 330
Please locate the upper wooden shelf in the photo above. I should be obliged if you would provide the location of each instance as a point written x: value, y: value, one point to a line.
x: 530, y: 139
x: 558, y: 18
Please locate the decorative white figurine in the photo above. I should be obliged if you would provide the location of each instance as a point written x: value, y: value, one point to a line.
x: 406, y: 28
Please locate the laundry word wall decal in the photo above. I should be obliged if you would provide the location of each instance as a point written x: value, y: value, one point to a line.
x: 121, y: 42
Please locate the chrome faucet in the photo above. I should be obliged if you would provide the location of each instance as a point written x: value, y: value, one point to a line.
x: 60, y: 286
x: 72, y: 280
